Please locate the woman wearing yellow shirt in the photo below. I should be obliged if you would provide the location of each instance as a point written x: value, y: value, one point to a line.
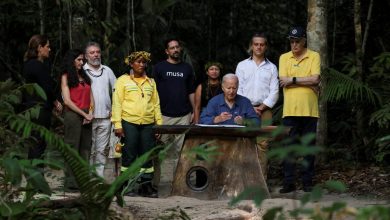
x: 135, y: 109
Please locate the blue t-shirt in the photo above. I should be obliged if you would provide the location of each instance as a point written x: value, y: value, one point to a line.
x: 242, y: 107
x: 174, y: 84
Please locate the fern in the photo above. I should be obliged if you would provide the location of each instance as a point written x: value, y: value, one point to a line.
x: 342, y: 87
x: 96, y: 195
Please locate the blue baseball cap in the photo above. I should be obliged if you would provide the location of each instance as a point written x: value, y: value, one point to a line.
x: 297, y: 32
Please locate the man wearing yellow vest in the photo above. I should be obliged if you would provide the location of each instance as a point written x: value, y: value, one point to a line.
x: 299, y: 76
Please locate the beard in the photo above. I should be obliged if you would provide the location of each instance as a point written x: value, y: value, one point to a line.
x: 94, y: 62
x: 175, y: 56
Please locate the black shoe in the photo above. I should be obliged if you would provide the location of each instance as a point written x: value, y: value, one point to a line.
x: 147, y: 190
x: 132, y: 193
x: 287, y: 188
x: 152, y: 194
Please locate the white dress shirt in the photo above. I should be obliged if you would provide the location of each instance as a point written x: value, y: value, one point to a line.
x: 259, y: 83
x: 102, y: 84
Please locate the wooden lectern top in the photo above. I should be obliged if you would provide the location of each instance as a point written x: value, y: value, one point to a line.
x: 227, y: 131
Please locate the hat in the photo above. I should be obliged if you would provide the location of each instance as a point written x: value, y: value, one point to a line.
x: 297, y: 32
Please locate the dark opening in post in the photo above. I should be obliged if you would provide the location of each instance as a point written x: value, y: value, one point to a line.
x: 197, y: 178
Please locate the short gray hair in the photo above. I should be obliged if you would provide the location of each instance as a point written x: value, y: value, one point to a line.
x: 230, y: 76
x: 90, y: 44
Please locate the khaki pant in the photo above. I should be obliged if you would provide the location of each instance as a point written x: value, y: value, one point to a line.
x: 165, y: 170
x: 263, y: 143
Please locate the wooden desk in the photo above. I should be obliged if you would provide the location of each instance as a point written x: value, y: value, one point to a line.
x: 231, y: 170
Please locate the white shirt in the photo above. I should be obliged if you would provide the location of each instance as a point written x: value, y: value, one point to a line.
x: 102, y: 81
x: 259, y: 83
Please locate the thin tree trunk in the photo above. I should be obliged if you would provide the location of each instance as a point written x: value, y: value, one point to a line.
x: 231, y: 26
x: 133, y: 25
x: 41, y: 18
x: 108, y: 10
x: 60, y: 25
x: 368, y: 21
x: 128, y: 36
x: 209, y: 27
x: 334, y: 31
x: 317, y: 40
x: 69, y: 8
x: 359, y: 63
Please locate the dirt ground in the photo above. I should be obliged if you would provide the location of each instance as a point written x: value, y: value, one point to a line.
x: 366, y: 186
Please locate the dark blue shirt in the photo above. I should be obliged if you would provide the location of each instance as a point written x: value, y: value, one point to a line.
x: 174, y: 84
x: 242, y: 107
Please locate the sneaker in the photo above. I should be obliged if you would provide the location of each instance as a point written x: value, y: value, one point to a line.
x: 287, y: 188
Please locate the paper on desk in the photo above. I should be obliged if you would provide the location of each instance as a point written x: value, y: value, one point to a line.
x: 221, y: 126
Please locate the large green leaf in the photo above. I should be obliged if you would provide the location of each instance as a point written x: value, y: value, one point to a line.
x: 37, y: 180
x: 343, y: 87
x: 10, y: 209
x: 13, y: 170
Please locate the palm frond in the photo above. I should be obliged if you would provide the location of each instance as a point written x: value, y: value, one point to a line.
x: 342, y: 87
x: 381, y: 117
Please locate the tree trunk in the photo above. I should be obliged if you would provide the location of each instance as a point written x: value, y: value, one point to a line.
x: 317, y: 40
x: 359, y: 64
x: 69, y: 9
x: 133, y: 25
x: 108, y: 10
x: 128, y: 20
x: 41, y: 18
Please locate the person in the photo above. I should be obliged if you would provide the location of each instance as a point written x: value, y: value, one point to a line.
x: 175, y: 85
x: 259, y: 82
x: 37, y: 70
x: 135, y: 109
x: 77, y: 96
x: 102, y: 81
x: 230, y: 108
x: 207, y: 89
x: 299, y: 75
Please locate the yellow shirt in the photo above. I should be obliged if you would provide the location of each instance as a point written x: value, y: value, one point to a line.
x: 135, y: 100
x: 300, y: 101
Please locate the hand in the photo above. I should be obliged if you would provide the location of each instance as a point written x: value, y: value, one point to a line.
x: 58, y: 107
x: 316, y: 89
x: 119, y: 132
x: 192, y: 121
x: 258, y: 110
x: 224, y: 116
x: 158, y: 136
x: 85, y: 121
x: 88, y: 117
x: 285, y: 81
x: 238, y: 119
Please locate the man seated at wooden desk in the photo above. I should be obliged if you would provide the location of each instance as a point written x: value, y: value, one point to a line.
x: 229, y: 108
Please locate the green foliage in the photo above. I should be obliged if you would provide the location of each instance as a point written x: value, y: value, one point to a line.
x: 383, y: 148
x: 96, y: 195
x: 344, y: 87
x: 373, y: 213
x: 206, y: 151
x: 174, y: 213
